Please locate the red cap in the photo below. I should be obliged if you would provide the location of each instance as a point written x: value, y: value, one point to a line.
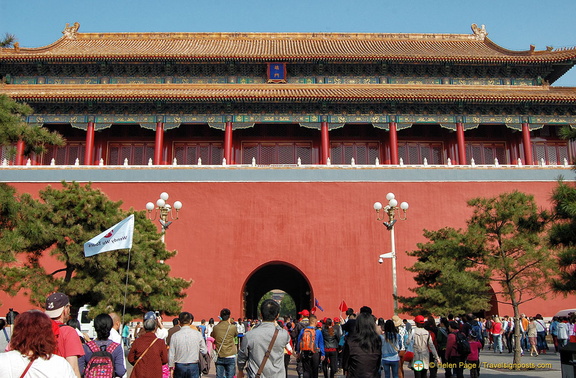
x: 419, y: 319
x: 304, y: 313
x: 336, y: 320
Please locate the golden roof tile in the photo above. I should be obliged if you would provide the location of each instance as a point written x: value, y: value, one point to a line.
x: 289, y: 47
x: 289, y: 92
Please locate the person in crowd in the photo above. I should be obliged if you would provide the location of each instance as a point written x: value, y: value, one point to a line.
x: 74, y: 323
x: 115, y: 333
x: 32, y: 350
x: 496, y: 332
x: 298, y: 327
x: 541, y: 334
x: 473, y: 359
x: 331, y: 336
x: 175, y: 328
x: 563, y: 331
x: 102, y: 325
x: 69, y: 345
x: 423, y: 346
x: 224, y: 334
x: 442, y: 340
x: 533, y: 337
x: 4, y: 336
x: 554, y: 332
x: 185, y: 348
x: 148, y: 353
x: 311, y: 359
x: 524, y: 332
x: 454, y: 358
x: 362, y: 355
x: 257, y: 342
x: 405, y: 340
x: 391, y: 345
x: 126, y: 335
x: 430, y: 326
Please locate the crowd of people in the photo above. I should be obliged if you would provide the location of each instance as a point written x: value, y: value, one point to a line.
x: 51, y: 344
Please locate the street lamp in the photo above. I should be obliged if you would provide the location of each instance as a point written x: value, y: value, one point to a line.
x: 163, y: 210
x: 390, y: 210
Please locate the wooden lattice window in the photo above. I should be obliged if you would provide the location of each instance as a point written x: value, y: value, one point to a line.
x: 137, y: 153
x: 553, y: 152
x: 362, y: 152
x: 65, y: 155
x: 486, y: 153
x: 188, y: 153
x: 266, y: 153
x: 5, y: 155
x: 416, y: 152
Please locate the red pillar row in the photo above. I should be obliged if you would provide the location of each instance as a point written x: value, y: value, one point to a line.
x: 89, y: 150
x: 159, y: 143
x: 228, y: 143
x: 393, y: 144
x: 325, y: 143
x: 19, y: 152
x: 461, y: 143
x: 526, y: 142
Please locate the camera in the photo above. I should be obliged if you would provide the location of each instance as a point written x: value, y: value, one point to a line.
x: 380, y: 260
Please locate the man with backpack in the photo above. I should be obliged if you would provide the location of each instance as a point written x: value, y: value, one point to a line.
x: 457, y: 349
x: 310, y: 348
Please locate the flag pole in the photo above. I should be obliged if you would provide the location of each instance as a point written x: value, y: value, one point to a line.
x: 126, y: 286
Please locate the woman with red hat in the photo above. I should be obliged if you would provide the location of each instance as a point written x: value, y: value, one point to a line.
x: 423, y: 346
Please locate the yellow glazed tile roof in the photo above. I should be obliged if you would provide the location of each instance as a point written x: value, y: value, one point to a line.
x: 289, y: 92
x: 475, y: 47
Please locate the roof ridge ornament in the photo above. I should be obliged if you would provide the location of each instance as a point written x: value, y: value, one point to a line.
x: 479, y: 32
x: 71, y: 31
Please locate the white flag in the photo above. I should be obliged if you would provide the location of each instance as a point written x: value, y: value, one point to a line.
x: 118, y: 236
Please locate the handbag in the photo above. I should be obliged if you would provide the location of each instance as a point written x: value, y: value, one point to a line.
x: 204, y: 360
x: 267, y: 354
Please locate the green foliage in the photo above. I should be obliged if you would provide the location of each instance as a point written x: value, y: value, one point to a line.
x: 563, y: 236
x: 13, y: 128
x: 448, y: 282
x: 288, y: 306
x: 8, y: 40
x: 502, y: 244
x: 58, y: 225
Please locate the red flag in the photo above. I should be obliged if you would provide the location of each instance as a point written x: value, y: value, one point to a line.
x: 343, y: 307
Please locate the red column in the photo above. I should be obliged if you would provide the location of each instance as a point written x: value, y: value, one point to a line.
x: 89, y: 148
x: 461, y: 144
x: 325, y: 143
x: 393, y: 144
x: 228, y: 143
x: 159, y: 143
x: 19, y: 152
x: 527, y: 145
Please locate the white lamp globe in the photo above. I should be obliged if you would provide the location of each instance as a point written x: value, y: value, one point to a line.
x: 177, y: 205
x: 393, y: 202
x: 149, y: 206
x: 377, y: 206
x: 164, y: 196
x: 404, y: 206
x: 390, y: 196
x: 160, y: 203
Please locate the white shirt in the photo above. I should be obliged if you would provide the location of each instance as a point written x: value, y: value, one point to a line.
x: 13, y: 365
x: 115, y: 336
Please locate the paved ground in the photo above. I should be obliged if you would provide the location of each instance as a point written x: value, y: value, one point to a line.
x: 492, y: 366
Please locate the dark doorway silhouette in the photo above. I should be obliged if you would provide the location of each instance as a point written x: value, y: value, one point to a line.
x: 276, y: 275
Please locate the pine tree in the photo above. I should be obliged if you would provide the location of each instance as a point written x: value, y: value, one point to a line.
x: 563, y: 236
x: 13, y: 128
x: 51, y: 232
x: 504, y: 243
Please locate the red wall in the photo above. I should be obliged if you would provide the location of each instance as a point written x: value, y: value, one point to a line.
x: 327, y: 230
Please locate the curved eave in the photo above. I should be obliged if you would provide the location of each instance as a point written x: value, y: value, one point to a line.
x: 288, y: 93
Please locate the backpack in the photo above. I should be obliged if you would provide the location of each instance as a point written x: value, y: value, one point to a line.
x: 308, y: 341
x: 478, y: 331
x: 101, y: 363
x: 462, y: 345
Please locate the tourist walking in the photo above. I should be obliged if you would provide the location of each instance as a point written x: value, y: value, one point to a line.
x: 185, y: 348
x: 102, y: 325
x: 33, y: 344
x: 362, y: 355
x: 331, y: 336
x: 224, y: 334
x: 148, y: 353
x: 391, y: 345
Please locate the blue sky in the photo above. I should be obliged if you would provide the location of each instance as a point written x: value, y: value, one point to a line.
x: 512, y: 24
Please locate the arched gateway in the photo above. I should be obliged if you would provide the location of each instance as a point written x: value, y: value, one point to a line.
x: 275, y: 275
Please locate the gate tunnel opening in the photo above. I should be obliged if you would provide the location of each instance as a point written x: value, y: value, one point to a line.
x: 275, y: 275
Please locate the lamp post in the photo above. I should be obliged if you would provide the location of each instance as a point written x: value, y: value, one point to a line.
x: 162, y: 209
x: 390, y: 211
